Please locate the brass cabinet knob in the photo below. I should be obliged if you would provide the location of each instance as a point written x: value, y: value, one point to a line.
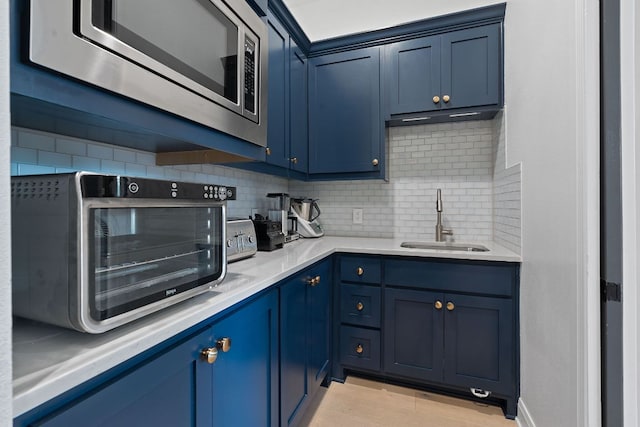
x: 294, y: 160
x: 438, y: 305
x: 224, y: 344
x: 359, y: 349
x: 375, y: 162
x: 436, y: 99
x: 360, y: 271
x: 359, y: 306
x: 446, y: 98
x: 313, y: 281
x: 268, y: 150
x: 209, y: 355
x: 450, y: 306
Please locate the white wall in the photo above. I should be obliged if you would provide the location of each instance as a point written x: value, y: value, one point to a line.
x: 5, y: 255
x: 551, y: 93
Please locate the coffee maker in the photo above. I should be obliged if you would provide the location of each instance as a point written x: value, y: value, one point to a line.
x: 282, y: 215
x: 306, y: 212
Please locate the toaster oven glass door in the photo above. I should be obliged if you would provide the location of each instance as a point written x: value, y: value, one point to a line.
x: 139, y: 255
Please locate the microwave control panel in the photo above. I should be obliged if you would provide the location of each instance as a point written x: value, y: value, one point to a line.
x: 100, y: 186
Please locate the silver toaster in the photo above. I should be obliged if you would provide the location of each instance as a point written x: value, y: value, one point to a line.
x: 241, y: 239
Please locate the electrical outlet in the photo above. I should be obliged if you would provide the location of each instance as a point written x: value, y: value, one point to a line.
x: 357, y: 215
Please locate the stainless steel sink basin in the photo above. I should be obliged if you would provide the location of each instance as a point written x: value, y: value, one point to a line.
x: 444, y: 246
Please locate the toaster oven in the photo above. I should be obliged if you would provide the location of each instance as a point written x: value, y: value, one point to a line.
x: 92, y: 252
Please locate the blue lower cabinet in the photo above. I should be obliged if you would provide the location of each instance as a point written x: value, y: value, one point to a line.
x: 413, y: 331
x: 305, y: 331
x: 179, y: 386
x: 245, y: 378
x: 446, y: 324
x: 173, y: 389
x: 478, y: 343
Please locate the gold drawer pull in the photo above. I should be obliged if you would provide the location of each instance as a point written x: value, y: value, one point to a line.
x: 436, y: 99
x: 438, y: 305
x: 450, y: 306
x: 359, y: 349
x: 360, y: 271
x: 359, y: 306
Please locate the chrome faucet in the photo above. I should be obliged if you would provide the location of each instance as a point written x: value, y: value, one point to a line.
x: 440, y: 231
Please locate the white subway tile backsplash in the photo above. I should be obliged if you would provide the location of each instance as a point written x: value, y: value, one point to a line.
x: 100, y: 151
x: 36, y: 140
x: 71, y: 146
x: 43, y: 153
x: 481, y: 197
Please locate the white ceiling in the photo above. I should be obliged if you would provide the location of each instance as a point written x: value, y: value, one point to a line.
x: 323, y: 19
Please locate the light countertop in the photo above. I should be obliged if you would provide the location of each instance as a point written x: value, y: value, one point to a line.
x: 48, y: 360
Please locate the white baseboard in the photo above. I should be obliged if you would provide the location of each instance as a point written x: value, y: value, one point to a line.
x: 524, y: 417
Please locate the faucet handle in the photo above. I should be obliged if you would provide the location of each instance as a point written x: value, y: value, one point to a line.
x: 439, y: 200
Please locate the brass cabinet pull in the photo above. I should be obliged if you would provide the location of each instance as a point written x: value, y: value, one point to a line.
x: 268, y: 150
x: 294, y: 160
x: 436, y: 99
x: 450, y: 306
x: 446, y: 98
x: 438, y: 305
x: 313, y: 281
x: 224, y: 344
x: 360, y: 271
x: 375, y: 162
x: 359, y: 349
x: 359, y: 306
x: 209, y: 355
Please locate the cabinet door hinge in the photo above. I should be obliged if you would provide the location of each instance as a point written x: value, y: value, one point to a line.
x: 610, y: 291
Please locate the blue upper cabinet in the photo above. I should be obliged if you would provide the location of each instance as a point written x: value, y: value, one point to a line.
x: 345, y: 128
x: 471, y: 68
x: 299, y: 121
x: 287, y: 138
x: 278, y: 128
x: 457, y: 70
x: 413, y: 74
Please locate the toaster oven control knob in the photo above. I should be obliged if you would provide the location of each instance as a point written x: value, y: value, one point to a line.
x: 229, y: 243
x: 224, y: 344
x: 209, y: 355
x: 251, y: 239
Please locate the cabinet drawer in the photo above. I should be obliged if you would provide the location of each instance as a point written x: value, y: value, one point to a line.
x: 360, y: 305
x: 483, y: 277
x: 360, y: 348
x: 360, y: 269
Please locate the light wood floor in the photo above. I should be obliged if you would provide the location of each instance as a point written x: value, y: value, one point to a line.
x: 359, y: 403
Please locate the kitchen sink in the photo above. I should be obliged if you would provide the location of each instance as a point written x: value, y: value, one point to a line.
x: 444, y: 246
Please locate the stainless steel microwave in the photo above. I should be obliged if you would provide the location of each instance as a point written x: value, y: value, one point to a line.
x: 205, y: 60
x: 92, y: 252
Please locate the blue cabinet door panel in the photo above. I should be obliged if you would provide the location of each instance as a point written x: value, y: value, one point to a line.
x: 344, y: 110
x: 479, y: 343
x: 471, y: 67
x: 413, y: 334
x: 278, y: 101
x: 320, y: 332
x: 245, y: 379
x: 293, y: 354
x: 360, y: 305
x: 165, y: 391
x: 298, y: 123
x: 413, y: 75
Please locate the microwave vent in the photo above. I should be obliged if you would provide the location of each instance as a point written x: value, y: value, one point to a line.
x: 46, y: 188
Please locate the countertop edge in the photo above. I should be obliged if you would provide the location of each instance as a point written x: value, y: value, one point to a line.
x: 96, y: 354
